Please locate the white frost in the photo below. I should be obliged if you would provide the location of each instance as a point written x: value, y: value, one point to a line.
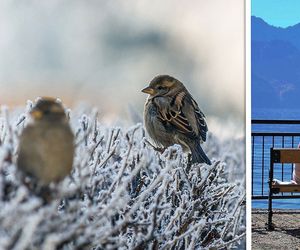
x: 123, y: 194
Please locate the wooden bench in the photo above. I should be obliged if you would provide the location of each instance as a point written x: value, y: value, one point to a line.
x: 280, y: 155
x: 285, y: 188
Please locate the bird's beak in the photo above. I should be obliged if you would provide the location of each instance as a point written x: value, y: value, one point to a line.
x: 148, y: 90
x: 36, y: 114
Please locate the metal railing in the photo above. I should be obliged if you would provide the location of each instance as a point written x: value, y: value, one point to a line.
x: 261, y: 142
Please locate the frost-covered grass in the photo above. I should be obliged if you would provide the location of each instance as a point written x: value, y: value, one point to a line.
x: 122, y: 194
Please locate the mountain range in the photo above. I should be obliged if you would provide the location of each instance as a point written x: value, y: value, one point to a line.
x: 275, y: 62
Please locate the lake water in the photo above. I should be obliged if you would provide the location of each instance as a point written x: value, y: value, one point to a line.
x: 261, y: 164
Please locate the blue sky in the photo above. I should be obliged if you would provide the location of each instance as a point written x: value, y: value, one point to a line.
x: 280, y: 13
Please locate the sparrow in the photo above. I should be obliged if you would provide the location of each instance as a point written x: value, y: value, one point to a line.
x: 46, y: 146
x: 172, y: 116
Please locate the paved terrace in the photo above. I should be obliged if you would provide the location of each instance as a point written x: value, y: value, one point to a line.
x: 286, y: 234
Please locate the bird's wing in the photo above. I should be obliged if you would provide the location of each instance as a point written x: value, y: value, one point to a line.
x: 29, y: 153
x: 200, y: 117
x: 171, y: 110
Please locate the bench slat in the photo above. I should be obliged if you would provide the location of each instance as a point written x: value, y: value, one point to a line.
x: 287, y: 155
x: 290, y: 188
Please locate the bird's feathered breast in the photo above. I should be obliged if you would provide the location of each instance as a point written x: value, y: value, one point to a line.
x: 46, y: 151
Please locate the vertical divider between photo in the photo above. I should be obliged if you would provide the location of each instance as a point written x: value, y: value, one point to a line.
x: 248, y: 119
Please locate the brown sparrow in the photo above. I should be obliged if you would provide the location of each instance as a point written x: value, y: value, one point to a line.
x: 172, y: 116
x: 46, y: 146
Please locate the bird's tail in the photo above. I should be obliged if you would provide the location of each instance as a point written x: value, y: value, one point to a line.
x: 198, y: 155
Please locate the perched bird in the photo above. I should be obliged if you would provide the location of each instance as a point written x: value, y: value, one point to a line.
x: 172, y: 116
x: 46, y: 146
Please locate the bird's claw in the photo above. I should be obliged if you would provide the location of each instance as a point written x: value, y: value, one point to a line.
x: 158, y: 149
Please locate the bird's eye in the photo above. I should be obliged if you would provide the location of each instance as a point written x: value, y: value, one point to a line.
x: 160, y: 88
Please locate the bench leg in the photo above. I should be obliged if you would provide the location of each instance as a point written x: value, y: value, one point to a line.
x: 270, y: 212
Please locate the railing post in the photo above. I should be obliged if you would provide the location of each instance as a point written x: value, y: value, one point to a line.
x: 271, y: 173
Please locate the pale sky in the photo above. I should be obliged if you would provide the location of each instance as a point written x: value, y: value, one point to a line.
x: 279, y: 13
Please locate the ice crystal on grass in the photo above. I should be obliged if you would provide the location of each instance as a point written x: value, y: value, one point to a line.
x: 122, y: 194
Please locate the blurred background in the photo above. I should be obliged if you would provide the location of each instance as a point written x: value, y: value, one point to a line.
x: 104, y: 52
